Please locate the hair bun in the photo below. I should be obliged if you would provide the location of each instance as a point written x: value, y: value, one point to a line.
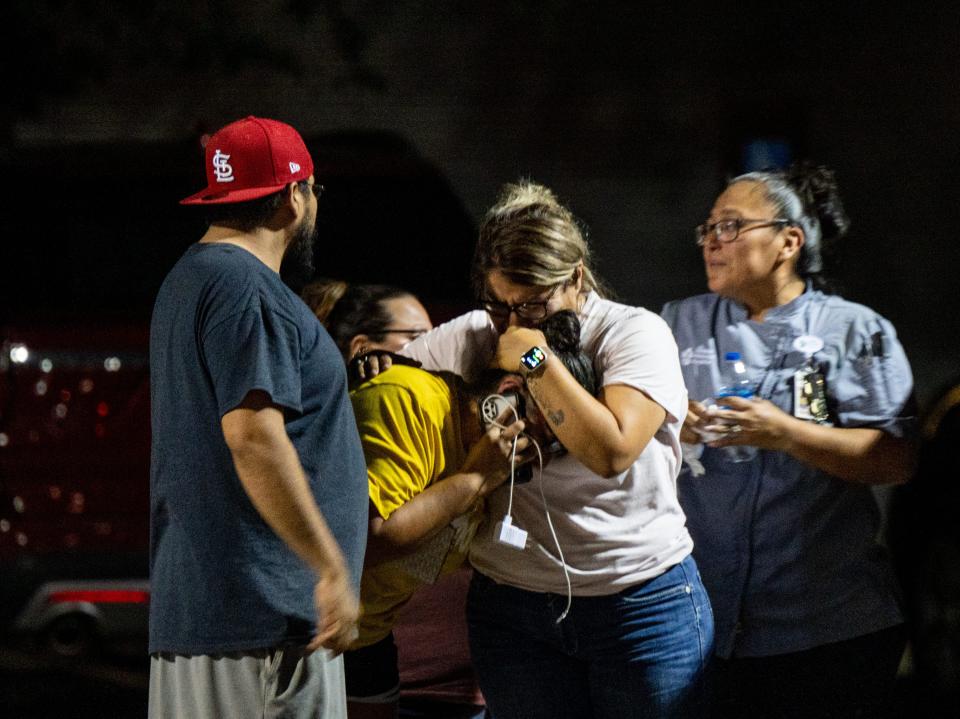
x: 817, y: 187
x: 516, y: 196
x: 562, y: 331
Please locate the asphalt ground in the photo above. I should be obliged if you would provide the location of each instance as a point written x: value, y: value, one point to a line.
x: 38, y: 686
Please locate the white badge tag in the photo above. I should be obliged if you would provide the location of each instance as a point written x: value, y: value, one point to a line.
x: 808, y: 344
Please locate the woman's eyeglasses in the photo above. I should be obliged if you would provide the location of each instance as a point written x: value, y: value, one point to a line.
x: 728, y: 230
x: 534, y: 310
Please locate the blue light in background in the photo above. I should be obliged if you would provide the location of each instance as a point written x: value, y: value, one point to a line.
x: 766, y: 153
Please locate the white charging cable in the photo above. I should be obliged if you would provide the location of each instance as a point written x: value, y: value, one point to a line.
x: 556, y: 540
x: 496, y: 402
x: 516, y: 537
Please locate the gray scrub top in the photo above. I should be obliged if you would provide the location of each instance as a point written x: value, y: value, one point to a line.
x: 789, y: 553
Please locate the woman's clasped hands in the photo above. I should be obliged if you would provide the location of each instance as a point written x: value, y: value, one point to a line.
x: 738, y: 421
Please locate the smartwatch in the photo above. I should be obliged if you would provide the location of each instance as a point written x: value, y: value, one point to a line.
x: 532, y: 359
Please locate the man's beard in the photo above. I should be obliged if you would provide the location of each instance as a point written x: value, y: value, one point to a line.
x: 297, y: 266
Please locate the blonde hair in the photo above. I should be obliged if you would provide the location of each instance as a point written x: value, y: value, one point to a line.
x: 533, y: 240
x: 322, y: 295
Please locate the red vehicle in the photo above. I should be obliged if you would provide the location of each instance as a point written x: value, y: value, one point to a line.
x: 74, y: 485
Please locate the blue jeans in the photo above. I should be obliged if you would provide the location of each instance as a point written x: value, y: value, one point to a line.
x: 638, y: 654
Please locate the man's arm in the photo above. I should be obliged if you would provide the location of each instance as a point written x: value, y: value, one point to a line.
x: 272, y: 476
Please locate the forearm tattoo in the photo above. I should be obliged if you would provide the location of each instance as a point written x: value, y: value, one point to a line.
x: 554, y: 416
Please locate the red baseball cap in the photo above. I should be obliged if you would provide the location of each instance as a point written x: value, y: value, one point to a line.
x: 252, y: 158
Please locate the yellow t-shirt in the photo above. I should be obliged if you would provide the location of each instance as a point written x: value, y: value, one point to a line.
x: 409, y: 422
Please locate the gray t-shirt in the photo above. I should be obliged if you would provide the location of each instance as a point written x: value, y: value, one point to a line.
x: 789, y: 553
x: 224, y: 324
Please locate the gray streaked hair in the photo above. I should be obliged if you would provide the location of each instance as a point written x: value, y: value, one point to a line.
x: 808, y: 196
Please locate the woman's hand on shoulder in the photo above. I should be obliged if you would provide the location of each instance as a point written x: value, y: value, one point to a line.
x: 369, y: 365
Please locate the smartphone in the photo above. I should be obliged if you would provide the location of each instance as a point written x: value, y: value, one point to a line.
x: 492, y: 407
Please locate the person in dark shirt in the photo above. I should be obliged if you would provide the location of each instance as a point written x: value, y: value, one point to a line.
x: 258, y: 481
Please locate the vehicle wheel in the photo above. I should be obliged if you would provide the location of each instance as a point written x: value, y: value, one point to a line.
x: 71, y: 635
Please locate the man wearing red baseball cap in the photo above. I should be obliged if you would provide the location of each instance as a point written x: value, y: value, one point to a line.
x: 258, y: 482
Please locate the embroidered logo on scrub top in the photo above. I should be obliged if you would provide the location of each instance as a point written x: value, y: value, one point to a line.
x: 698, y: 356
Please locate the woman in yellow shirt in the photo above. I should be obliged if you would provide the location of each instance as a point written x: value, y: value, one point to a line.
x: 419, y: 428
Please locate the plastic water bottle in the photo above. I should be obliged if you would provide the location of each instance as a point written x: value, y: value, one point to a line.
x: 736, y: 383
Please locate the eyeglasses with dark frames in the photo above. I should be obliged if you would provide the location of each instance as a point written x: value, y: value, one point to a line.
x: 725, y: 231
x: 317, y: 189
x: 534, y: 310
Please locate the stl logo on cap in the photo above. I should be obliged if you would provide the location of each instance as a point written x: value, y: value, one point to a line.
x: 249, y: 159
x: 221, y: 168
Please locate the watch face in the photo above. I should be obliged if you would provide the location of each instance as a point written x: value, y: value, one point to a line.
x: 533, y: 358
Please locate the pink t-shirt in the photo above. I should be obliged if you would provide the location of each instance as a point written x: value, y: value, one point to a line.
x: 614, y: 532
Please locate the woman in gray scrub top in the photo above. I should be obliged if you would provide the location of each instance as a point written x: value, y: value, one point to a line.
x: 808, y: 622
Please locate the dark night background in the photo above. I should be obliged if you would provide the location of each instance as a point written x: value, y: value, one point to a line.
x: 416, y: 113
